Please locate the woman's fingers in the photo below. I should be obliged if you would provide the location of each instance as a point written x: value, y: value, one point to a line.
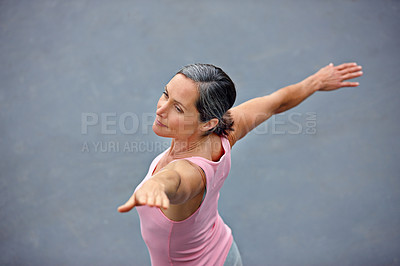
x: 165, y: 203
x: 353, y: 69
x: 349, y: 71
x: 346, y: 65
x: 142, y: 199
x: 352, y: 75
x: 128, y: 205
x: 350, y: 84
x: 158, y: 201
x: 150, y: 200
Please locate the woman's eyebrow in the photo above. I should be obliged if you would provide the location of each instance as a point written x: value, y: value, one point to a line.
x: 166, y: 90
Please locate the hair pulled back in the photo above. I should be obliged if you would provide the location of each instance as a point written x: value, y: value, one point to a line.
x: 217, y: 95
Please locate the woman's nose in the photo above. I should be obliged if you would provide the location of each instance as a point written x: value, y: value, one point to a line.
x: 161, y: 109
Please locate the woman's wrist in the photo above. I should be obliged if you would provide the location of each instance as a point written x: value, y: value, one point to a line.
x: 312, y: 83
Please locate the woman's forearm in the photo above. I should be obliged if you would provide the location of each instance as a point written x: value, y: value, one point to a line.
x: 294, y: 94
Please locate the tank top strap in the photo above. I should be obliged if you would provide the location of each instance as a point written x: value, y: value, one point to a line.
x: 211, y: 168
x: 205, y: 166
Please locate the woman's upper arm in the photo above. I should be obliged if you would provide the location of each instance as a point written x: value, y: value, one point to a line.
x: 250, y: 114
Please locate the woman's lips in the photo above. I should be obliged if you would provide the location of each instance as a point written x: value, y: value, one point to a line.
x: 159, y: 123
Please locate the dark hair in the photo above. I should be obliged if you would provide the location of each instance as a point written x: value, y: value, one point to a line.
x: 217, y: 95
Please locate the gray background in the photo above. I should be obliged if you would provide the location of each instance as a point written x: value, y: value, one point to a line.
x: 318, y: 185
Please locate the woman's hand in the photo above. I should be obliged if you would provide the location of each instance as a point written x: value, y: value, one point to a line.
x: 151, y: 193
x: 334, y: 77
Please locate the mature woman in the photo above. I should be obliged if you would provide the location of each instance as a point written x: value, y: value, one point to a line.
x: 177, y: 201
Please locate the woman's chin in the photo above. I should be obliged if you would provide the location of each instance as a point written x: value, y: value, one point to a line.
x: 158, y: 131
x: 155, y: 129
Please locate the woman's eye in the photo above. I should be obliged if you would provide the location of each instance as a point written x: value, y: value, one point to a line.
x: 178, y: 109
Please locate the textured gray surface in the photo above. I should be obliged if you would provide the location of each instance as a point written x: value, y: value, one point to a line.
x: 318, y: 185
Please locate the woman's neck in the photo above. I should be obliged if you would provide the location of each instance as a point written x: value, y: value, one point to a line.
x: 184, y: 148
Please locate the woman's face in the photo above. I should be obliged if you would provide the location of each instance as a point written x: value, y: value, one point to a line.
x: 177, y: 116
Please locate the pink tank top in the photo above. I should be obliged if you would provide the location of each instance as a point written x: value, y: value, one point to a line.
x: 201, y: 239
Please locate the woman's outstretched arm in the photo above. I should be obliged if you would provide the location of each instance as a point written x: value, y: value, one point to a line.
x: 250, y: 114
x: 176, y: 183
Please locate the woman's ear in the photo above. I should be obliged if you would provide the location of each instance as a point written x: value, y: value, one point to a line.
x: 210, y: 124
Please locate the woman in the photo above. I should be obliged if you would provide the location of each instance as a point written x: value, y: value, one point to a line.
x: 177, y: 200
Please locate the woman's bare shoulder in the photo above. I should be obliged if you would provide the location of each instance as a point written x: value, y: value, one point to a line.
x: 217, y: 147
